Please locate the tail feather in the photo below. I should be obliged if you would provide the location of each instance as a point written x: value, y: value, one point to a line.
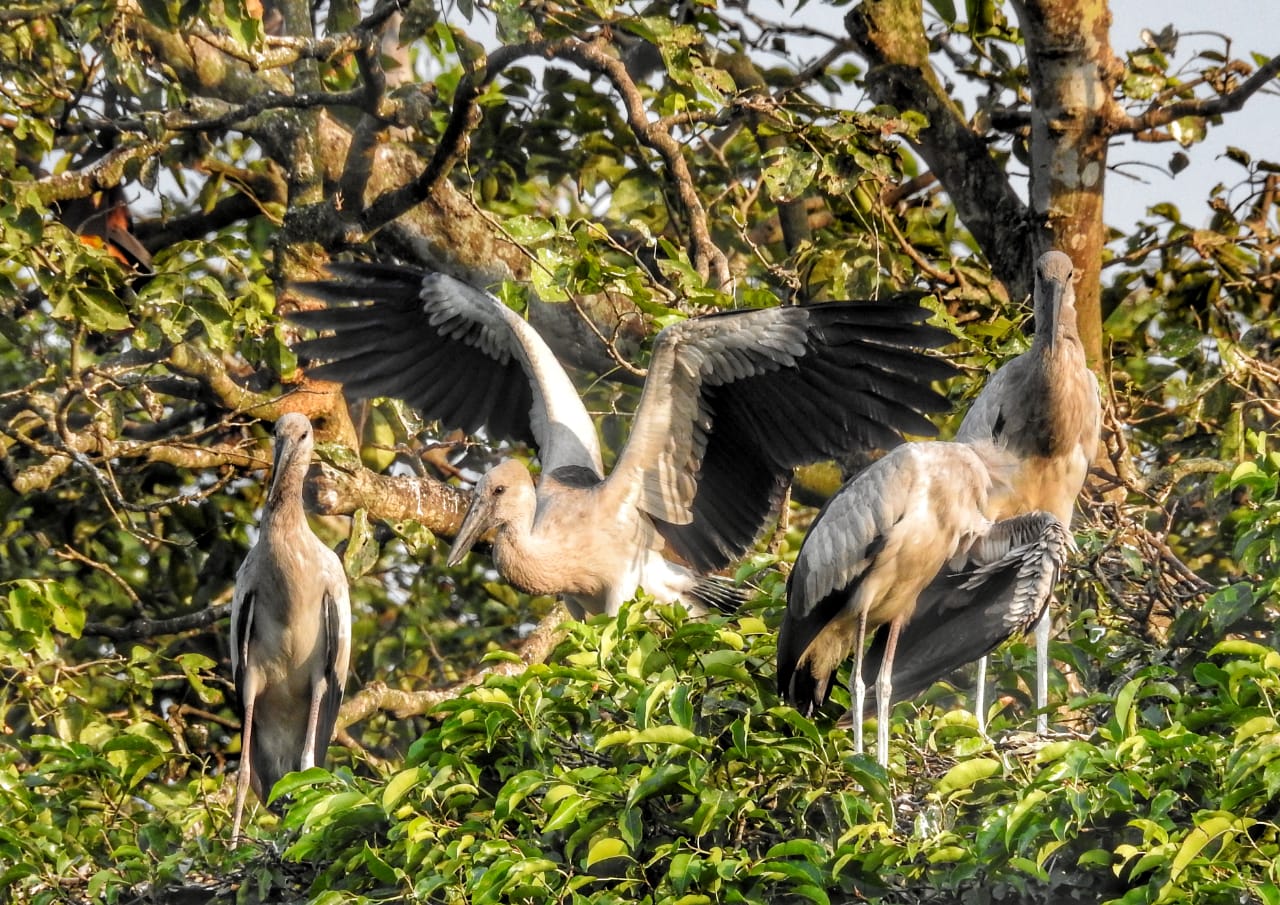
x: 718, y: 593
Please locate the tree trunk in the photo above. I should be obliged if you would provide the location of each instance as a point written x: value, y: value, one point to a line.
x: 1073, y: 81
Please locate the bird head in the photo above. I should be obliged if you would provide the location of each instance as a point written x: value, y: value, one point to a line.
x: 1055, y: 295
x: 295, y: 442
x: 504, y: 495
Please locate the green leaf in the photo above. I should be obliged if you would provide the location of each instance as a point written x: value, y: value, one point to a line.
x: 655, y: 735
x: 946, y: 10
x: 1196, y: 840
x: 606, y: 848
x: 399, y: 785
x: 967, y: 774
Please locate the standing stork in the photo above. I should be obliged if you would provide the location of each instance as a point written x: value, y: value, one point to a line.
x: 290, y: 630
x: 1042, y: 411
x: 913, y: 523
x: 1043, y: 408
x: 732, y: 403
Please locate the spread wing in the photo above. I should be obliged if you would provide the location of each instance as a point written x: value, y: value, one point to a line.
x: 735, y: 401
x: 455, y: 353
x: 999, y: 590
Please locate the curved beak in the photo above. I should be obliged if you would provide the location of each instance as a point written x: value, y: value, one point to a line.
x: 473, y: 528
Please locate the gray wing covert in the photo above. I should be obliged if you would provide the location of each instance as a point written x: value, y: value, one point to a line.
x: 736, y: 400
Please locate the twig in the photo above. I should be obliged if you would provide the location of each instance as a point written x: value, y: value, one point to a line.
x: 1162, y: 115
x: 72, y: 553
x: 149, y: 628
x: 708, y: 259
x: 947, y: 279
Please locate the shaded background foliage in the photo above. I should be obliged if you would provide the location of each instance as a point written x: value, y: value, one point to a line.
x: 168, y: 167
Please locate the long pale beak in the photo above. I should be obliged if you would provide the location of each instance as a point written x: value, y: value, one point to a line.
x: 473, y: 528
x: 1055, y: 290
x: 280, y: 448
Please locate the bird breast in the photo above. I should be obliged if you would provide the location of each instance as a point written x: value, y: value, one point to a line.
x: 289, y: 613
x: 936, y: 524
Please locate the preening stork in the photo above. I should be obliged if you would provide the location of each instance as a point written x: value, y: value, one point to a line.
x: 1043, y: 407
x: 915, y: 523
x: 290, y: 630
x: 732, y: 403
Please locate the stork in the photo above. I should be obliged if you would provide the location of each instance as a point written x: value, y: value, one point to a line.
x: 915, y: 522
x: 732, y: 403
x: 290, y: 630
x: 1042, y: 411
x: 1043, y: 407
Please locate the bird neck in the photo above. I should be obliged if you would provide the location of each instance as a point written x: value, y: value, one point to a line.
x: 284, y: 508
x: 519, y: 555
x: 1061, y: 333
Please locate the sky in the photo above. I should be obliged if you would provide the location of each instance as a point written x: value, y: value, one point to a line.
x: 1139, y: 176
x: 1254, y: 26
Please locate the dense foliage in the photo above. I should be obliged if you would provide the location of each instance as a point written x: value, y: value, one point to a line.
x: 620, y: 169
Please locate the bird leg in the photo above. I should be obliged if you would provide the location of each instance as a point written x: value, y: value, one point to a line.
x: 309, y: 758
x: 1042, y: 673
x: 859, y: 687
x: 884, y: 692
x: 980, y: 696
x: 246, y: 739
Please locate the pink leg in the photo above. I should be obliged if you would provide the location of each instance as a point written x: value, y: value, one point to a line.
x: 246, y: 762
x: 884, y: 692
x: 859, y: 686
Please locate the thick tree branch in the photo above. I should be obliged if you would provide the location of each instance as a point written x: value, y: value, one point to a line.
x: 437, y: 506
x: 890, y: 35
x: 107, y: 172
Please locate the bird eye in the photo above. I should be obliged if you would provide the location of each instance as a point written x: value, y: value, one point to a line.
x: 499, y: 489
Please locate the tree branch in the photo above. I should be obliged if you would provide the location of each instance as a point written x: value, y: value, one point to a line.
x: 1157, y: 116
x: 463, y: 118
x: 439, y: 507
x: 708, y: 259
x: 150, y: 628
x: 403, y: 704
x: 107, y: 172
x: 31, y: 13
